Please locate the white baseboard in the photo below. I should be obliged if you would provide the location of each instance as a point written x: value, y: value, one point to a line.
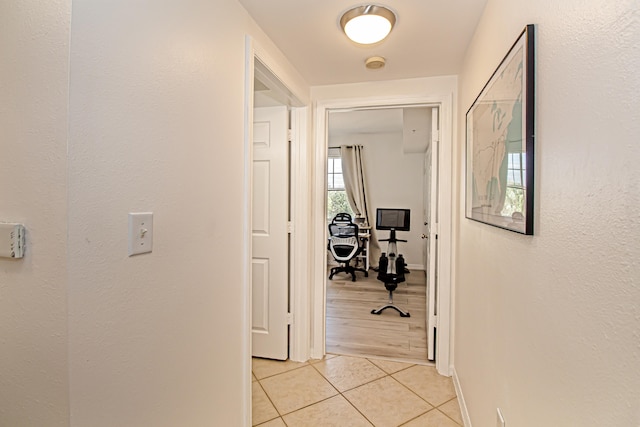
x: 463, y: 405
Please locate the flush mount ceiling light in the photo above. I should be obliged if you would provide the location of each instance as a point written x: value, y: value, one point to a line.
x: 367, y: 24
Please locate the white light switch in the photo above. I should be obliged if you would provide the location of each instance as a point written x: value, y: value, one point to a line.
x: 140, y: 233
x: 11, y: 240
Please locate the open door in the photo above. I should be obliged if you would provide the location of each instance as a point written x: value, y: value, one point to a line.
x: 270, y: 251
x: 431, y: 231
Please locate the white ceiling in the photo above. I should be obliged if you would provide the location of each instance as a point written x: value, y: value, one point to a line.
x: 429, y: 39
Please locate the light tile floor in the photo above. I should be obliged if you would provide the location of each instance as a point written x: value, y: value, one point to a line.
x: 346, y: 391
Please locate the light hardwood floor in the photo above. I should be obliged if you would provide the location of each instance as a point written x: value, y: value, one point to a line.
x: 352, y: 330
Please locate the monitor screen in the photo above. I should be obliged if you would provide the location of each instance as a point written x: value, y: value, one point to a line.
x: 396, y: 219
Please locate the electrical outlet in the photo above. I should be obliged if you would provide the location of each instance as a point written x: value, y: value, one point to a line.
x: 500, y: 419
x: 140, y: 233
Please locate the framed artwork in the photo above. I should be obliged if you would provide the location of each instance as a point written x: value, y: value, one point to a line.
x: 500, y: 149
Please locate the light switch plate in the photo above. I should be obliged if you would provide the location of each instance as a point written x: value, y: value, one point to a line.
x: 140, y: 233
x: 11, y: 240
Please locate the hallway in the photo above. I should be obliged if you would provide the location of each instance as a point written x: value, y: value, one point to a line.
x: 351, y: 391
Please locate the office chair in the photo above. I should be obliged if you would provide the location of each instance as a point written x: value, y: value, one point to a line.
x: 344, y: 245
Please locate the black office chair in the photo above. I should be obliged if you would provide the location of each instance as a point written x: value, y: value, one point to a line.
x: 344, y: 245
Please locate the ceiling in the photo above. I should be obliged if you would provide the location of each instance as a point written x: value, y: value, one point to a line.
x: 429, y: 39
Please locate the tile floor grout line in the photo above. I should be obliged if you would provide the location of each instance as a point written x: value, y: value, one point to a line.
x: 279, y: 373
x: 349, y: 401
x: 342, y: 393
x: 339, y: 394
x: 374, y: 380
x: 444, y: 413
x: 422, y: 398
x: 358, y: 410
x: 311, y: 404
x: 388, y: 359
x: 270, y: 401
x: 416, y: 417
x: 353, y: 388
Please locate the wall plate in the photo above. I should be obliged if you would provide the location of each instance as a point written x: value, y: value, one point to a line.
x: 140, y: 233
x: 11, y: 240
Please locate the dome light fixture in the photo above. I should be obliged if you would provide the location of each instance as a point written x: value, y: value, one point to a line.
x: 367, y: 24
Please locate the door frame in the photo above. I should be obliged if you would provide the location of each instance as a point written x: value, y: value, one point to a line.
x: 318, y: 297
x: 297, y: 93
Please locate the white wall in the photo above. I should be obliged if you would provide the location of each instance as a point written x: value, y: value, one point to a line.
x: 34, y: 52
x: 421, y: 87
x: 547, y: 326
x: 157, y: 124
x: 155, y: 93
x: 394, y: 180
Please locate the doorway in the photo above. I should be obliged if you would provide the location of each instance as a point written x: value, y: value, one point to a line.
x: 443, y: 229
x: 276, y: 198
x: 266, y: 88
x: 395, y: 145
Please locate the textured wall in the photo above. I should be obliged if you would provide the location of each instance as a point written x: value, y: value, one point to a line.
x: 547, y: 326
x: 157, y: 124
x: 127, y: 107
x: 34, y: 52
x: 429, y: 86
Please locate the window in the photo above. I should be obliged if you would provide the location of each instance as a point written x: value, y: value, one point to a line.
x: 337, y: 200
x: 516, y: 178
x: 336, y: 181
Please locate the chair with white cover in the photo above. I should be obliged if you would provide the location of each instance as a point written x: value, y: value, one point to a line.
x: 344, y: 245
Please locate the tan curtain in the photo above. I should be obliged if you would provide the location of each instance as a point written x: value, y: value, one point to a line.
x: 356, y: 189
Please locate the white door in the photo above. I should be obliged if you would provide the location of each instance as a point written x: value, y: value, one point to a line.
x: 269, y: 258
x: 431, y: 232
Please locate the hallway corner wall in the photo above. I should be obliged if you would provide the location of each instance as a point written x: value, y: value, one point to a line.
x: 34, y: 94
x: 106, y: 108
x: 157, y: 109
x: 547, y: 325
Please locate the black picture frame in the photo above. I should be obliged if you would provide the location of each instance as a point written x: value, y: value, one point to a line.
x: 499, y: 187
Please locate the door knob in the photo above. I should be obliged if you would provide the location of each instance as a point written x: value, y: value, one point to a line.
x: 424, y: 236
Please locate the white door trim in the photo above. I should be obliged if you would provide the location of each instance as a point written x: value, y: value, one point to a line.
x: 300, y: 208
x: 445, y: 103
x: 430, y: 264
x: 299, y: 298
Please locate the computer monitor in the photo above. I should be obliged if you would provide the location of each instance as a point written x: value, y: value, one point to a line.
x: 392, y: 219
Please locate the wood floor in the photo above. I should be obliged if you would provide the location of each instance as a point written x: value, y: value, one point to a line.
x: 352, y: 329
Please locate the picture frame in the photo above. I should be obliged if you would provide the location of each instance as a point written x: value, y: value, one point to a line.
x: 500, y: 143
